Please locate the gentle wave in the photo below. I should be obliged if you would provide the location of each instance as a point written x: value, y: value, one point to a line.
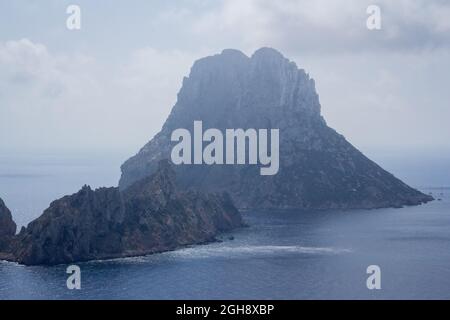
x: 209, y: 251
x: 212, y: 251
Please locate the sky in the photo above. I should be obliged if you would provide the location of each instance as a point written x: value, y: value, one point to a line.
x: 111, y: 84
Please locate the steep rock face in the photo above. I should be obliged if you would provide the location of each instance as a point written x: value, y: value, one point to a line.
x: 318, y: 168
x: 151, y: 216
x: 7, y: 227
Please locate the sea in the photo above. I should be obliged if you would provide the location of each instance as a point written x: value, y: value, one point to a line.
x: 295, y: 254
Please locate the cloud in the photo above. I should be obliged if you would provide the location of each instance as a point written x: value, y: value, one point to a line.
x: 29, y: 69
x: 91, y: 90
x: 70, y: 100
x: 24, y: 64
x: 328, y: 27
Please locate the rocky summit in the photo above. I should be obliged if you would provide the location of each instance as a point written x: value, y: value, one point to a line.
x: 319, y: 168
x: 151, y: 216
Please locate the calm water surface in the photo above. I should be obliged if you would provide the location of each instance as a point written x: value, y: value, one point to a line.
x: 282, y: 255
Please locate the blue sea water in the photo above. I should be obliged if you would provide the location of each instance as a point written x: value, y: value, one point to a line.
x: 281, y: 255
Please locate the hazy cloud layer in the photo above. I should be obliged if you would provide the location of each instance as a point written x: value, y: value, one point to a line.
x: 112, y: 84
x: 51, y: 101
x: 324, y: 26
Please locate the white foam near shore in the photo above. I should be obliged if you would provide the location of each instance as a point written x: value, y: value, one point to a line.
x: 231, y: 251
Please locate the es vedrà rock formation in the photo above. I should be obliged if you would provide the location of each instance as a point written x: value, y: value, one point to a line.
x: 150, y: 216
x: 319, y: 168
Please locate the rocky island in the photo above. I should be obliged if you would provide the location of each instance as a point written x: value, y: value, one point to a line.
x: 319, y: 168
x: 150, y: 216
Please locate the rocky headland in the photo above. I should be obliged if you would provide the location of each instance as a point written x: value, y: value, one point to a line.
x: 7, y: 228
x: 150, y: 216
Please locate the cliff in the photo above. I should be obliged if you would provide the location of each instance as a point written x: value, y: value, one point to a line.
x: 7, y: 227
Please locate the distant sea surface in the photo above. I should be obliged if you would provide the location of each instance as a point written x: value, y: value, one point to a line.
x: 281, y: 255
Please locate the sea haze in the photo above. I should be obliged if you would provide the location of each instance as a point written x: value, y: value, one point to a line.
x: 281, y: 255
